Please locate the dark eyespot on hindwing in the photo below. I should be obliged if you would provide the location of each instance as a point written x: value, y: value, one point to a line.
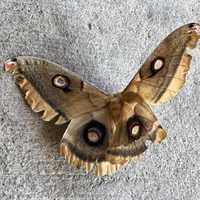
x: 134, y: 128
x: 94, y: 133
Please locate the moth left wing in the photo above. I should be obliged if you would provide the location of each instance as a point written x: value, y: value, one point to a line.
x: 57, y: 92
x: 164, y: 72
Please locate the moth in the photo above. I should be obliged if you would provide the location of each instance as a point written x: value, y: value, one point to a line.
x: 106, y: 131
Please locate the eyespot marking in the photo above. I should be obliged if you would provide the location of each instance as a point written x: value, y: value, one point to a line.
x: 94, y: 133
x: 61, y: 81
x: 135, y: 130
x: 158, y: 64
x: 134, y: 127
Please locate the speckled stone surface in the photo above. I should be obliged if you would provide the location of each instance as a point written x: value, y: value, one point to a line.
x: 105, y: 42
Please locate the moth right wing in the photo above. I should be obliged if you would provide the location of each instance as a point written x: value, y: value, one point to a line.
x: 163, y: 74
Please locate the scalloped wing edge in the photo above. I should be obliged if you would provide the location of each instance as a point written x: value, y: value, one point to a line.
x: 178, y: 81
x: 38, y: 104
x: 180, y: 75
x: 103, y: 168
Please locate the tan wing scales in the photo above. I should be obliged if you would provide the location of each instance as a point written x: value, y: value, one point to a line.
x: 158, y: 83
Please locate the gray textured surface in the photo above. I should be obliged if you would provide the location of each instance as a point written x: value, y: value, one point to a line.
x: 105, y: 42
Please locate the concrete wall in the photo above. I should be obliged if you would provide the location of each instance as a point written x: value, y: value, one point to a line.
x: 105, y: 41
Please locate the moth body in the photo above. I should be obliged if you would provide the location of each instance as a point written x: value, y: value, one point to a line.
x: 105, y: 132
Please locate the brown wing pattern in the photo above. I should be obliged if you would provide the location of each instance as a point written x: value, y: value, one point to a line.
x: 106, y: 132
x: 53, y: 90
x: 103, y: 142
x: 164, y: 72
